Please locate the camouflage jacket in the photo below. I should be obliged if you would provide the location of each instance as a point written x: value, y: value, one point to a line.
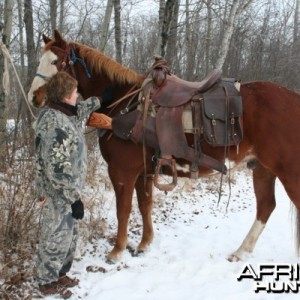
x: 61, y: 152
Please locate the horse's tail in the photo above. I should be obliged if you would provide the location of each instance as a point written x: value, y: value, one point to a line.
x: 297, y: 231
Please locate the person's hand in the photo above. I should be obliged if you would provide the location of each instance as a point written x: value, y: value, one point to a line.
x: 77, y: 210
x: 97, y: 97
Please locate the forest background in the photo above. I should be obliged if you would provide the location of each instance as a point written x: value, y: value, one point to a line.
x: 247, y: 39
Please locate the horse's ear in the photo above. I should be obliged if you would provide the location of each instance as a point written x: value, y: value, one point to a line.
x: 57, y: 36
x: 46, y: 39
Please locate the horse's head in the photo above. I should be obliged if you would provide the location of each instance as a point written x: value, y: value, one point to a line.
x: 55, y: 58
x: 95, y: 72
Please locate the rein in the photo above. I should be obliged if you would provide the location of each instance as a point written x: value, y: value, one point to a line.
x: 129, y: 93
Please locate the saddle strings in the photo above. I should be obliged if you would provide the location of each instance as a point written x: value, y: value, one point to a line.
x: 225, y: 151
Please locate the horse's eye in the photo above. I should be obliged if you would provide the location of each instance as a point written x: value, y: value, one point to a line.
x: 54, y: 62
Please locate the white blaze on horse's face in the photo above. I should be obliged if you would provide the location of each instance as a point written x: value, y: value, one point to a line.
x: 47, y: 69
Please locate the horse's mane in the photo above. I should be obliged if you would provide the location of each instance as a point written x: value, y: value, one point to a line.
x: 100, y: 63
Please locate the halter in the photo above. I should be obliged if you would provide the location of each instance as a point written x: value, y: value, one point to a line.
x: 46, y: 78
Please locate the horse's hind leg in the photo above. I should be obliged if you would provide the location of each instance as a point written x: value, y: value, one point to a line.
x: 264, y: 188
x: 144, y: 196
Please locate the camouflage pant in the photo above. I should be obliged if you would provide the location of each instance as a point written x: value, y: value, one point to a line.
x: 57, y: 242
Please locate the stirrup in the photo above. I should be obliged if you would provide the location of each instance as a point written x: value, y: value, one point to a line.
x: 169, y: 162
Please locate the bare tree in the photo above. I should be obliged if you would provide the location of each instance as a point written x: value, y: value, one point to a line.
x: 161, y: 11
x: 3, y: 106
x: 5, y: 34
x: 192, y: 25
x: 61, y: 15
x: 118, y: 40
x: 171, y: 49
x: 296, y: 20
x: 53, y: 13
x: 105, y: 25
x: 20, y: 22
x: 170, y: 15
x: 208, y: 36
x: 28, y: 20
x: 236, y: 7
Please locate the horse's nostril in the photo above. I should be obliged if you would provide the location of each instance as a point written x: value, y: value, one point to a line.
x: 35, y: 101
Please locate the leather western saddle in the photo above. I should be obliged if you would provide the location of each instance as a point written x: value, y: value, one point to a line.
x: 171, y: 107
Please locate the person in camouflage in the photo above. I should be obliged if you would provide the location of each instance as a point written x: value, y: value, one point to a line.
x: 61, y: 166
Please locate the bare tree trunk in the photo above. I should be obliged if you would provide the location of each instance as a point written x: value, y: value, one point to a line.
x: 53, y: 13
x: 61, y: 15
x: 28, y: 20
x: 161, y: 11
x: 8, y: 16
x: 235, y: 10
x: 171, y: 51
x: 296, y: 21
x: 6, y: 29
x: 3, y: 107
x: 228, y: 30
x: 208, y: 36
x: 118, y: 40
x: 188, y: 43
x: 105, y: 25
x: 169, y: 15
x: 22, y: 51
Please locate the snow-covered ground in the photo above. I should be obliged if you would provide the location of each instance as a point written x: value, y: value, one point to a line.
x: 193, y: 237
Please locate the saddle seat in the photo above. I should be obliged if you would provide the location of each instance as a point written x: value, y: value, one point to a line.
x: 176, y: 91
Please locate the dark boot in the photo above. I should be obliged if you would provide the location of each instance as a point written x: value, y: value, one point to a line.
x: 54, y: 288
x: 66, y: 281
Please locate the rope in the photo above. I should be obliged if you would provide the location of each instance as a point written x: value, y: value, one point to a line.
x: 6, y: 78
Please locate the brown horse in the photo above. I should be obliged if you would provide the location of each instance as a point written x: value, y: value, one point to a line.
x: 271, y: 118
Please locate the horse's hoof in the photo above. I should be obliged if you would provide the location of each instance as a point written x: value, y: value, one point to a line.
x: 137, y: 253
x: 233, y: 258
x: 110, y: 261
x: 251, y: 164
x: 131, y: 250
x: 113, y: 258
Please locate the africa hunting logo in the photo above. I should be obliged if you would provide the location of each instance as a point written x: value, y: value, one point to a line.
x: 273, y: 278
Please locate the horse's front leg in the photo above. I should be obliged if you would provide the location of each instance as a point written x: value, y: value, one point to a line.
x: 144, y: 187
x: 264, y: 188
x: 123, y: 185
